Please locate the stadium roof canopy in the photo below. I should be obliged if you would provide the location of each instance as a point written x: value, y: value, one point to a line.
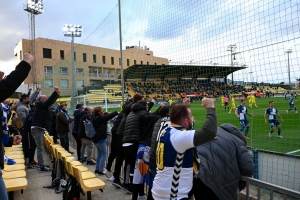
x: 146, y: 72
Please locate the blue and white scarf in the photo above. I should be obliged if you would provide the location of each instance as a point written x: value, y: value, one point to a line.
x: 5, y: 129
x: 59, y: 110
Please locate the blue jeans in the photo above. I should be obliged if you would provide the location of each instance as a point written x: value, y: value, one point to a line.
x: 101, y: 154
x: 64, y: 140
x: 38, y: 136
x: 3, y: 193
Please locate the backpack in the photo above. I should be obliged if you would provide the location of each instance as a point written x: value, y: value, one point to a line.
x: 57, y: 175
x: 72, y: 189
x: 89, y: 128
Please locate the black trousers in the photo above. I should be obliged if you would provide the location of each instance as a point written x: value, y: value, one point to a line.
x: 120, y: 160
x: 130, y: 153
x: 78, y: 143
x: 201, y: 191
x: 113, y: 151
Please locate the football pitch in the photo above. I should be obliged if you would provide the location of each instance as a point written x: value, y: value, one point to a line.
x: 259, y: 130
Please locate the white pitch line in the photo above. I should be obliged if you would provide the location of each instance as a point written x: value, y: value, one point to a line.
x: 293, y: 151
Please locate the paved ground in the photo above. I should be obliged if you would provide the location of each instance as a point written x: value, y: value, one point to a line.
x: 37, y: 180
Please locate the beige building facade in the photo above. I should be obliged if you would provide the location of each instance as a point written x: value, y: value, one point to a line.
x: 94, y: 65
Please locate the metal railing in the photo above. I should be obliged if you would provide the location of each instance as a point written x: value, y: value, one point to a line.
x: 281, y: 192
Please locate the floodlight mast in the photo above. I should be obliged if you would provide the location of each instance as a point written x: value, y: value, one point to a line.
x: 231, y: 48
x: 289, y: 50
x: 71, y: 30
x: 33, y: 7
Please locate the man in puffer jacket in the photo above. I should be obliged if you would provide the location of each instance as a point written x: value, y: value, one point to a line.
x: 222, y: 163
x: 132, y: 135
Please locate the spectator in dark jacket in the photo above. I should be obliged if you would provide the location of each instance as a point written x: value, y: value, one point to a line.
x: 222, y: 163
x: 100, y: 124
x: 29, y: 140
x: 113, y: 144
x: 126, y: 109
x: 147, y: 122
x: 86, y: 142
x: 62, y: 126
x: 41, y: 121
x: 132, y: 135
x: 77, y: 111
x: 7, y: 87
x: 53, y: 131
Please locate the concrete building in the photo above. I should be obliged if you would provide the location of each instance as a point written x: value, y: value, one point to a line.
x: 94, y: 65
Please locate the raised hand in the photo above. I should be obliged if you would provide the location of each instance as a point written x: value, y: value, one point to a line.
x: 28, y: 58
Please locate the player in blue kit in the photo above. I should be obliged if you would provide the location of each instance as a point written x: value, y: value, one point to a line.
x: 241, y: 112
x: 272, y: 113
x: 292, y: 105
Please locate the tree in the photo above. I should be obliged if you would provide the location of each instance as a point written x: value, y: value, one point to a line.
x: 281, y: 83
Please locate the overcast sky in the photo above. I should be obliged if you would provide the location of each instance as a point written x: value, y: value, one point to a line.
x: 190, y: 31
x: 14, y: 22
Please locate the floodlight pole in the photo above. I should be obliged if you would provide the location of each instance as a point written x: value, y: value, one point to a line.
x: 289, y: 51
x: 231, y: 48
x: 121, y: 55
x: 70, y: 30
x: 33, y: 8
x: 74, y: 92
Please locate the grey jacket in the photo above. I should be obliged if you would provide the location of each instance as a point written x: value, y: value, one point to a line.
x: 223, y: 161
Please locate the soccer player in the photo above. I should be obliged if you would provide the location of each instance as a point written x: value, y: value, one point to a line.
x: 222, y: 100
x: 272, y: 112
x: 253, y: 99
x: 292, y: 105
x: 249, y: 100
x: 241, y: 112
x: 296, y: 95
x: 170, y: 101
x: 284, y: 96
x: 226, y: 99
x: 233, y: 106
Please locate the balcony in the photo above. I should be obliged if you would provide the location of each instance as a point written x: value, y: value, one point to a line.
x: 95, y: 75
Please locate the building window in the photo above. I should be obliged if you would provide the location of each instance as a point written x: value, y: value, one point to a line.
x: 103, y: 59
x: 21, y: 55
x: 94, y: 58
x: 154, y: 63
x: 80, y: 83
x: 63, y: 83
x: 84, y: 57
x: 128, y: 63
x: 47, y: 53
x: 62, y: 54
x: 48, y: 70
x: 112, y: 60
x: 74, y: 56
x: 119, y: 61
x: 49, y: 83
x: 79, y: 71
x: 147, y: 63
x: 141, y: 62
x: 134, y: 62
x: 63, y: 71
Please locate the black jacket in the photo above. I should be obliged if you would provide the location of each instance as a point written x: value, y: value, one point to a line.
x: 161, y: 124
x: 224, y: 161
x: 7, y: 87
x: 76, y: 120
x: 42, y: 116
x: 148, y: 122
x: 100, y: 125
x: 126, y: 109
x: 133, y: 127
x: 81, y: 129
x: 115, y: 127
